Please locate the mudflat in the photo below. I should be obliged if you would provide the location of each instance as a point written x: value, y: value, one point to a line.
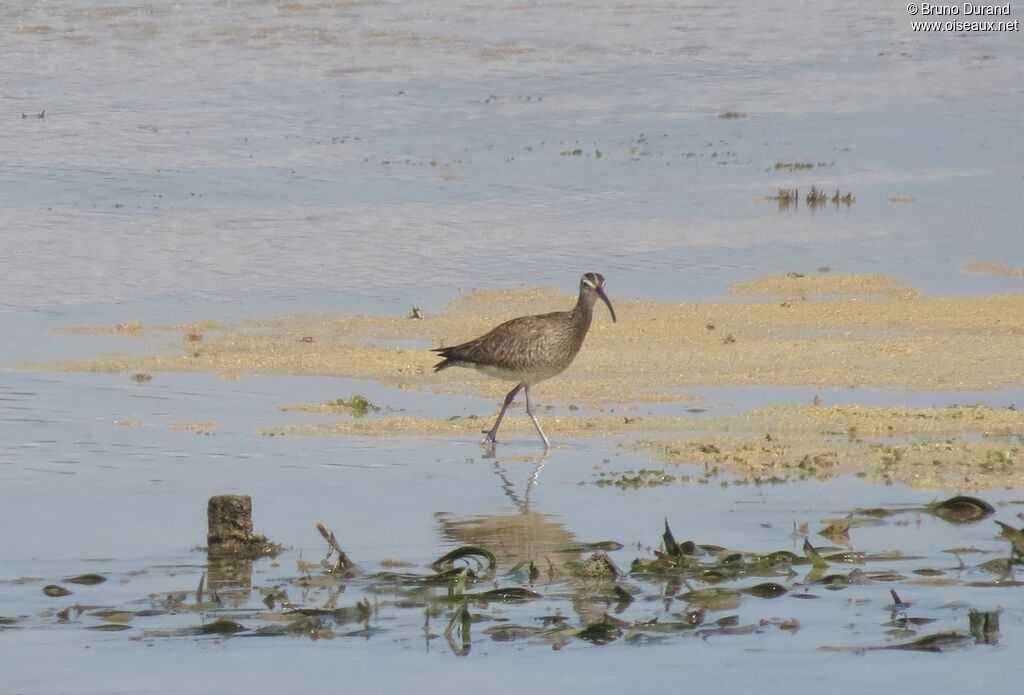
x: 819, y: 331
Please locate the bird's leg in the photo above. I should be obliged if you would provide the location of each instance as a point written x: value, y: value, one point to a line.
x: 536, y: 422
x: 493, y: 432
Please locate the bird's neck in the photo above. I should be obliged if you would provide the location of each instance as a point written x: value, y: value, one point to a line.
x: 583, y: 313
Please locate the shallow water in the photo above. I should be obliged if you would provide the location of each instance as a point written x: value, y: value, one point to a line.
x: 240, y: 160
x: 395, y: 148
x: 128, y: 501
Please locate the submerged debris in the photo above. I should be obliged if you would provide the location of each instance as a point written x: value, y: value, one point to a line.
x: 1016, y: 538
x: 341, y: 564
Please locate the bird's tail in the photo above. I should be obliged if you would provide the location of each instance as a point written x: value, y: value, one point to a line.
x: 446, y: 362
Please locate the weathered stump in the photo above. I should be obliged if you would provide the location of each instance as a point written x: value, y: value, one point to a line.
x: 229, y: 521
x: 232, y: 546
x: 229, y: 528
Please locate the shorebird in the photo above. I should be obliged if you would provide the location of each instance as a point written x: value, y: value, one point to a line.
x: 529, y: 349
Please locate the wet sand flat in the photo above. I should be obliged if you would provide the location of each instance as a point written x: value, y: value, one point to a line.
x: 844, y: 331
x: 927, y: 448
x: 822, y: 331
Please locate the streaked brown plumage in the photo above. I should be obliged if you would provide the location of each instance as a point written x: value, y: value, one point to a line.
x: 530, y: 349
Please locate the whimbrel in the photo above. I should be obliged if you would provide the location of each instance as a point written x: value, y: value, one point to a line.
x: 530, y: 349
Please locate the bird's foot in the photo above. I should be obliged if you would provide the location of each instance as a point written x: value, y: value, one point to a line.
x: 489, y: 444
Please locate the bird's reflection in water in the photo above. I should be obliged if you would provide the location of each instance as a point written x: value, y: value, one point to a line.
x: 525, y: 538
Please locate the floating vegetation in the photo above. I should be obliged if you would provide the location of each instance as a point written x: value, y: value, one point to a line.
x: 641, y: 478
x: 817, y: 561
x: 786, y: 197
x: 55, y: 591
x: 984, y: 626
x: 446, y: 562
x: 587, y: 547
x: 793, y: 166
x: 220, y: 627
x: 357, y: 405
x: 937, y: 642
x: 766, y: 590
x: 679, y: 589
x: 88, y: 579
x: 732, y: 114
x: 816, y: 198
x: 109, y: 627
x: 114, y: 616
x: 597, y: 566
x: 961, y: 509
x: 837, y: 531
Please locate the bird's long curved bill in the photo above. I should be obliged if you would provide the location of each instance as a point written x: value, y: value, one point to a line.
x: 603, y: 296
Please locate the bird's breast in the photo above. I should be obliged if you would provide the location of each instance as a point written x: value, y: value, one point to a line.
x: 528, y: 375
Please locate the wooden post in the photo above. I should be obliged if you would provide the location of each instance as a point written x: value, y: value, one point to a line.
x: 229, y: 528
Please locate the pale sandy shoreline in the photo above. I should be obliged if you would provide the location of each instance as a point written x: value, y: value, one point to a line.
x: 822, y: 331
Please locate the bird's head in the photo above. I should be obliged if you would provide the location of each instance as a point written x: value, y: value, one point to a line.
x: 593, y: 283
